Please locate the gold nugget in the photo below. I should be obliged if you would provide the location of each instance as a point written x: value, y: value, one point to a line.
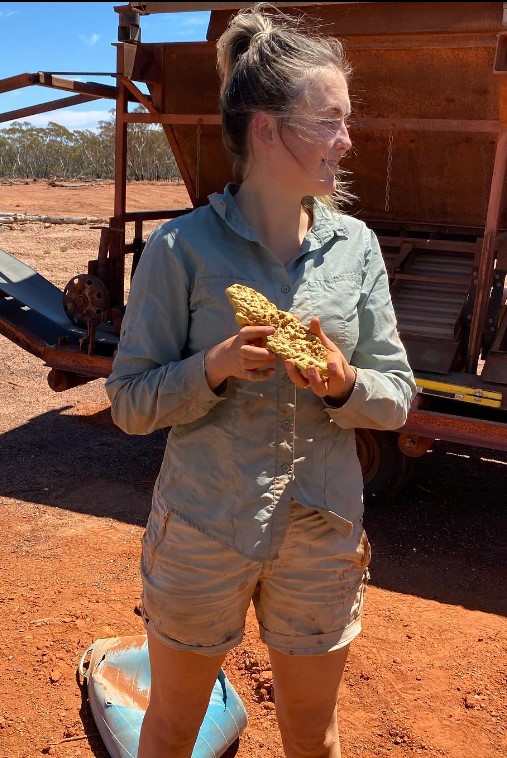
x: 292, y: 339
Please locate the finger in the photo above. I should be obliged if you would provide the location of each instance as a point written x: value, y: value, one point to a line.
x: 295, y: 375
x: 336, y: 371
x: 259, y: 354
x: 315, y: 328
x: 316, y: 383
x: 256, y: 366
x: 258, y: 375
x: 252, y: 333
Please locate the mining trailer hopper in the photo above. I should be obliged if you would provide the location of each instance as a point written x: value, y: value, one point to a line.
x: 429, y: 169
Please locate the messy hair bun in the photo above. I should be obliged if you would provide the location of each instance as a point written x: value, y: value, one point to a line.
x: 266, y: 63
x: 243, y: 30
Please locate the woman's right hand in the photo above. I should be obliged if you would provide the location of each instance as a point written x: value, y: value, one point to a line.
x: 244, y: 356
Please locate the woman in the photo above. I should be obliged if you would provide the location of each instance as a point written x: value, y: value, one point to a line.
x: 259, y: 495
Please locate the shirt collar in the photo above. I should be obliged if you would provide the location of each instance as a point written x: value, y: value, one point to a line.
x: 326, y: 223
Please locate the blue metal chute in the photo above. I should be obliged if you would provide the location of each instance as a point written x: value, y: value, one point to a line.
x: 117, y: 672
x: 34, y: 304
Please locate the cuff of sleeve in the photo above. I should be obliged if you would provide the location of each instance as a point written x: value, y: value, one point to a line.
x: 346, y: 415
x: 332, y: 402
x: 198, y: 386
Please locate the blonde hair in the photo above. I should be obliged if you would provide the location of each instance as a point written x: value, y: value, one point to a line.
x: 266, y: 63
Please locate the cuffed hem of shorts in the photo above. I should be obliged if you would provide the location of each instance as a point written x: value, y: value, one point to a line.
x: 221, y: 648
x: 315, y: 644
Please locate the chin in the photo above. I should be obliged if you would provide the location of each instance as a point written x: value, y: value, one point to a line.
x: 325, y: 188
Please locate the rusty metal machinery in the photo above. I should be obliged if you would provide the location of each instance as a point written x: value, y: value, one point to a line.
x: 429, y: 168
x: 84, y: 297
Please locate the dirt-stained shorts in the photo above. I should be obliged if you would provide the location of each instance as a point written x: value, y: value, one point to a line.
x: 308, y: 600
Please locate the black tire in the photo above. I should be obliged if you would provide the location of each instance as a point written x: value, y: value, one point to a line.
x: 386, y: 469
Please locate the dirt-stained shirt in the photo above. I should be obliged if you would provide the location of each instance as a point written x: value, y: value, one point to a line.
x: 234, y: 460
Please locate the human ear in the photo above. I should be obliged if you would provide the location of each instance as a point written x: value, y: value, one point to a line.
x: 263, y: 129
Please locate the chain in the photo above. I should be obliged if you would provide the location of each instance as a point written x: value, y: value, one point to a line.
x: 198, y: 159
x: 389, y: 170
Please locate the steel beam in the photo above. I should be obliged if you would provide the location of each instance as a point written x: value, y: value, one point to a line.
x: 93, y: 89
x: 466, y: 431
x: 53, y: 105
x: 146, y: 9
x: 173, y: 118
x: 484, y: 280
x: 17, y: 82
x: 425, y: 125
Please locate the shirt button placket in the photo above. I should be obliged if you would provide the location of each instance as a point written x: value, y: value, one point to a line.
x: 285, y: 407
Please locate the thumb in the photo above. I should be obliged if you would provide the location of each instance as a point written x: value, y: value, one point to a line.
x: 315, y: 328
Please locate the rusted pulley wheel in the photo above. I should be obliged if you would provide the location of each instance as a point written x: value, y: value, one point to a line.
x: 84, y: 297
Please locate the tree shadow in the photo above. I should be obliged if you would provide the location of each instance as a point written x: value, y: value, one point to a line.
x: 82, y: 463
x: 443, y: 538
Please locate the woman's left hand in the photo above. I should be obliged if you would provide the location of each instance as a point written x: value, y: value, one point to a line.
x: 340, y: 383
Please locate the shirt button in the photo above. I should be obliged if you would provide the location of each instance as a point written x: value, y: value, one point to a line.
x: 285, y: 424
x: 285, y: 288
x: 285, y: 468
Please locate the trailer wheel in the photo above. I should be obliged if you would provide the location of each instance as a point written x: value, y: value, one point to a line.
x: 385, y: 468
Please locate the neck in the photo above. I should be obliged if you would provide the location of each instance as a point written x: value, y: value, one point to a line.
x: 276, y: 216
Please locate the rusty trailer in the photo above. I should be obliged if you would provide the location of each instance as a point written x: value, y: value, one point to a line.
x: 429, y: 130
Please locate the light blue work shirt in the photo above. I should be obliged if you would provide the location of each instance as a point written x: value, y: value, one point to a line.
x: 234, y: 460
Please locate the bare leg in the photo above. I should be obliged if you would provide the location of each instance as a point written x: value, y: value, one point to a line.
x: 306, y: 691
x: 181, y: 684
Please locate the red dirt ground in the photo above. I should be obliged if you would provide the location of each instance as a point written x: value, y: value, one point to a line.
x: 428, y: 674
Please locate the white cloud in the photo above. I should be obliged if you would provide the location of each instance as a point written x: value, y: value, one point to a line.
x: 91, y: 39
x: 69, y: 119
x: 6, y: 14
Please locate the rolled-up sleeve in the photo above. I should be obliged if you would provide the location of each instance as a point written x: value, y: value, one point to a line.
x: 153, y: 384
x: 385, y: 385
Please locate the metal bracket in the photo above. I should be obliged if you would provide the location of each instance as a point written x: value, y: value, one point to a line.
x: 129, y: 29
x: 494, y: 307
x: 500, y: 64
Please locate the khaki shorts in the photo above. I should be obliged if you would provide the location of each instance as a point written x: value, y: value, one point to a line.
x: 308, y: 600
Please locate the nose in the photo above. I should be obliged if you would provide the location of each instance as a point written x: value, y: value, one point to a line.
x: 343, y: 138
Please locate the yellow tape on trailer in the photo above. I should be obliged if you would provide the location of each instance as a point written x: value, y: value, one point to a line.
x: 457, y: 392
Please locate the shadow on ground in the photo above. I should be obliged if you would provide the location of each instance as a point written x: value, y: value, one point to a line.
x: 82, y: 463
x: 443, y: 538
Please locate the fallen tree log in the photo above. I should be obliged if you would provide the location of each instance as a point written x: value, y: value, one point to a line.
x: 27, y: 218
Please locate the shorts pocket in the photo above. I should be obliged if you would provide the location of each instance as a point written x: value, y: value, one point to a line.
x: 154, y: 533
x: 342, y: 525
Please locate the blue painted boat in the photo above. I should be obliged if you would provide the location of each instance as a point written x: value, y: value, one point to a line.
x: 118, y: 678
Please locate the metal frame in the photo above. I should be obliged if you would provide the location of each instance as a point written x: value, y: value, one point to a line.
x: 70, y: 367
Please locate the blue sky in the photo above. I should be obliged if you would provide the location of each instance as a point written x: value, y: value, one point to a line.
x: 75, y: 37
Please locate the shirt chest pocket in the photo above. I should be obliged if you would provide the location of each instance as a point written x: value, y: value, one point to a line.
x: 335, y: 300
x: 212, y: 317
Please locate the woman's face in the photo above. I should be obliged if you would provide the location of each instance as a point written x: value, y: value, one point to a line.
x: 315, y: 136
